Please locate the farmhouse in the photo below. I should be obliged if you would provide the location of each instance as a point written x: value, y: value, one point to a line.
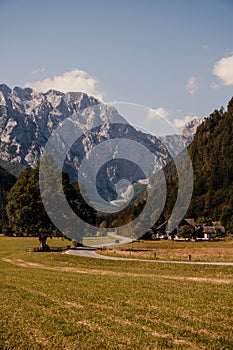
x: 188, y: 229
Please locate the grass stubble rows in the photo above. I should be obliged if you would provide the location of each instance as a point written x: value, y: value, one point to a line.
x: 58, y: 301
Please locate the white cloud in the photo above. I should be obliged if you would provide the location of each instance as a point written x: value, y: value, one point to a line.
x: 192, y: 85
x: 223, y: 69
x: 72, y: 81
x: 157, y: 113
x: 39, y: 70
x: 180, y: 123
x: 215, y: 86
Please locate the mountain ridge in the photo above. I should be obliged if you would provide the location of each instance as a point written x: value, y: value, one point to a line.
x: 28, y: 117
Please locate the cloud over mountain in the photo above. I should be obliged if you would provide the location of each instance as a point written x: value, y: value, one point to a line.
x: 181, y: 122
x: 71, y: 81
x: 157, y: 113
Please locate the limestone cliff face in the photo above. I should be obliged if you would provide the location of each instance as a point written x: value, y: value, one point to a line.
x: 27, y: 119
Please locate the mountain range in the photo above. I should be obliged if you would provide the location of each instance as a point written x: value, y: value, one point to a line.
x: 27, y: 119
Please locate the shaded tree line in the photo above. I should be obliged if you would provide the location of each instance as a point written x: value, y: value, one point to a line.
x: 26, y: 215
x: 211, y: 153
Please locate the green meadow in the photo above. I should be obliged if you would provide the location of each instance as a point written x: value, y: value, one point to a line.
x: 59, y: 301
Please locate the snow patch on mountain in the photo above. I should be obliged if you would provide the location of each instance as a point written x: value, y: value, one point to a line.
x: 189, y: 130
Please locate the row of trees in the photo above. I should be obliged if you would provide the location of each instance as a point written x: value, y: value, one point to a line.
x: 211, y: 154
x: 6, y: 182
x: 26, y: 215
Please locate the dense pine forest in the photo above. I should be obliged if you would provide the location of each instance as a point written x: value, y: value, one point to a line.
x: 6, y: 182
x: 212, y: 157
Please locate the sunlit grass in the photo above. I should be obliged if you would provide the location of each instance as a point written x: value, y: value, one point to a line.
x: 171, y: 250
x: 92, y: 241
x: 68, y: 302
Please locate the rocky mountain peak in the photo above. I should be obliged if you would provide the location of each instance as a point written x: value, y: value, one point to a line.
x: 28, y: 117
x: 5, y: 89
x: 190, y: 128
x: 22, y: 94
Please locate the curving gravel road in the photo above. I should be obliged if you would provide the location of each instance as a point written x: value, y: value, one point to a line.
x: 90, y: 253
x: 122, y: 239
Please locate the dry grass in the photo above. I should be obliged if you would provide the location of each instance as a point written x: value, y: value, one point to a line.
x: 57, y: 301
x: 173, y: 250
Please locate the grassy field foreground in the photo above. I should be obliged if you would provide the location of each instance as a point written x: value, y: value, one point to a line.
x: 57, y: 301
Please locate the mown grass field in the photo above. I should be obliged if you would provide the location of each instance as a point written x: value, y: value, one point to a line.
x: 175, y: 250
x: 58, y: 301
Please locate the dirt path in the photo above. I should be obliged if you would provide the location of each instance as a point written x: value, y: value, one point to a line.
x: 27, y: 264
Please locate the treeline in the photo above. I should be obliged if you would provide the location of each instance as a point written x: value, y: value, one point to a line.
x: 24, y: 213
x: 212, y: 156
x: 211, y: 153
x: 6, y: 182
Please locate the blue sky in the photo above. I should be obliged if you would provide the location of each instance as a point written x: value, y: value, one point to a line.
x: 173, y: 56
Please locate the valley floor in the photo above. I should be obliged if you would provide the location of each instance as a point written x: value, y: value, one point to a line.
x: 59, y: 301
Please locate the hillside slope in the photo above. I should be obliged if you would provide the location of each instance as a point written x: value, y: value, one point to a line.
x: 212, y: 156
x: 6, y: 182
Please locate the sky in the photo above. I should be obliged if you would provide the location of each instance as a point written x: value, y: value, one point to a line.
x: 173, y: 56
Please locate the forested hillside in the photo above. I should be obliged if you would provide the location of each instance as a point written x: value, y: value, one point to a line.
x: 6, y: 182
x: 212, y: 156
